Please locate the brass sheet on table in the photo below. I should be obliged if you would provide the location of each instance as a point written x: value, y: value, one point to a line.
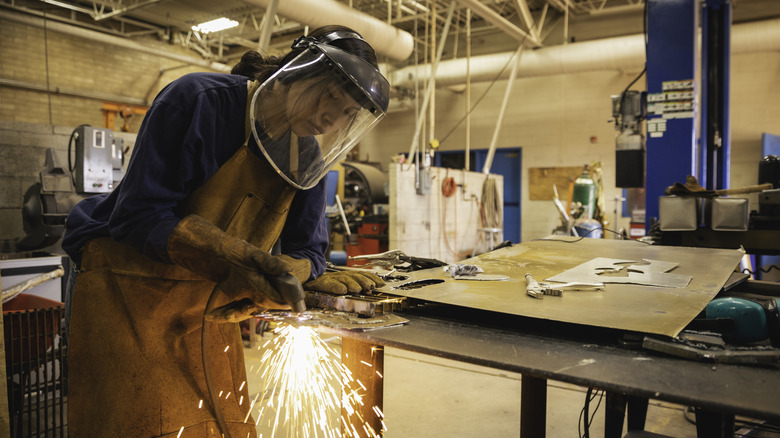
x: 646, y: 309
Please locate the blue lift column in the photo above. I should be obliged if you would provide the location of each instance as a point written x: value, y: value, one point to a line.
x: 672, y: 62
x: 715, y: 155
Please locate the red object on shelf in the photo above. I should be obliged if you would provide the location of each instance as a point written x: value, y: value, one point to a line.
x: 372, y: 239
x: 28, y: 334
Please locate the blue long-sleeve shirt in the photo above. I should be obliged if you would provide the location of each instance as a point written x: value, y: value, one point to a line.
x: 193, y: 127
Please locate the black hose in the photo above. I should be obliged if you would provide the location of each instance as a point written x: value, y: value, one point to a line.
x: 204, y: 337
x: 586, y: 425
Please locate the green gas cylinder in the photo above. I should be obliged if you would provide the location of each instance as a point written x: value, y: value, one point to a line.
x: 585, y: 193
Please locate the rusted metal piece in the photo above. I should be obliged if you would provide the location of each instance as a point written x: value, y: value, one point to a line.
x: 361, y: 304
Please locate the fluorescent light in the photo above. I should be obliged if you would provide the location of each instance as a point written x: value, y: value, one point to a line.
x: 215, y: 25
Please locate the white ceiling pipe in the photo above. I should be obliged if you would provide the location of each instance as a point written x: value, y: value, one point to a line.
x: 386, y: 39
x: 608, y: 54
x: 620, y: 53
x: 91, y: 35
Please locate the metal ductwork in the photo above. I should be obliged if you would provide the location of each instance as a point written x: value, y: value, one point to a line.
x: 384, y: 38
x: 91, y: 35
x: 621, y: 53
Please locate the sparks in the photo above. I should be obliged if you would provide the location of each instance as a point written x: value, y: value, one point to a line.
x: 306, y: 389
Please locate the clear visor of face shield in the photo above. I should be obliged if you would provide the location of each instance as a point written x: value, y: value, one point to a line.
x: 309, y: 115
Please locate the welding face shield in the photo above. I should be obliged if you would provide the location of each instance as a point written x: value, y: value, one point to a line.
x: 309, y: 114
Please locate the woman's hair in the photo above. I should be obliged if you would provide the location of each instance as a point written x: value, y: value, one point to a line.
x: 254, y: 66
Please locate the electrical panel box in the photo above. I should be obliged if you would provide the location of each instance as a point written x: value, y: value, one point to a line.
x: 95, y: 156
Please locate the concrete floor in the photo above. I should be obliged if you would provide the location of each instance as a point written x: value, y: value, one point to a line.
x: 426, y: 396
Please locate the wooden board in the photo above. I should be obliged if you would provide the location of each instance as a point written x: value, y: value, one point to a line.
x: 542, y: 179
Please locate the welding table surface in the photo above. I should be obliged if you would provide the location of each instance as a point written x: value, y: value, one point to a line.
x: 645, y: 309
x: 586, y: 356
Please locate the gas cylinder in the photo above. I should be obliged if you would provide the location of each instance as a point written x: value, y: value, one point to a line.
x: 585, y: 193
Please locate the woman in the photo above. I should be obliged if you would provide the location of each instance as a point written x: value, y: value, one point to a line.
x: 224, y: 167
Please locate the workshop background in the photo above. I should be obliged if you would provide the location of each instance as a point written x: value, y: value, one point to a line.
x: 66, y: 64
x: 557, y: 119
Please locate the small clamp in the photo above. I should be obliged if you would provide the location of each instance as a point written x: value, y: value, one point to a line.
x: 539, y: 290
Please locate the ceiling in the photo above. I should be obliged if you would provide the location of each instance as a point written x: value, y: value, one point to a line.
x: 544, y: 22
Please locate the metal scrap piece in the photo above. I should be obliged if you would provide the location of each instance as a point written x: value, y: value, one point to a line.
x: 605, y: 270
x: 361, y: 304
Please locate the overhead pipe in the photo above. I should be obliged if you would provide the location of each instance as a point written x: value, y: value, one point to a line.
x: 610, y: 54
x: 91, y: 35
x: 106, y: 97
x: 500, y: 22
x: 267, y: 26
x: 507, y: 93
x: 467, y: 165
x: 620, y: 53
x: 386, y: 39
x: 525, y: 13
x: 429, y: 88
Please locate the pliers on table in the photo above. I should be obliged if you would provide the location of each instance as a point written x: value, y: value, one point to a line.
x: 539, y: 290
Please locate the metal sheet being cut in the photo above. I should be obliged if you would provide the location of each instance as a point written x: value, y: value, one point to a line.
x: 646, y: 309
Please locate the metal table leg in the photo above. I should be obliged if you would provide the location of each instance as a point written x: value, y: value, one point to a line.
x: 533, y: 407
x: 616, y: 412
x: 714, y: 424
x: 366, y: 362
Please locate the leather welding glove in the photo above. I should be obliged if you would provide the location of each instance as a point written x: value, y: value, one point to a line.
x: 341, y: 282
x: 238, y: 267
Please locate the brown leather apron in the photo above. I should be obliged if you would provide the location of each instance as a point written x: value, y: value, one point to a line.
x: 135, y: 332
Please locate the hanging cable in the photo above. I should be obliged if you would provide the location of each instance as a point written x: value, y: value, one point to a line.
x: 449, y: 187
x: 586, y: 418
x: 491, y: 203
x: 498, y: 76
x: 762, y: 269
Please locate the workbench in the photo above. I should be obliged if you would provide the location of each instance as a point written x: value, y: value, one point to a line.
x: 586, y: 356
x: 592, y: 339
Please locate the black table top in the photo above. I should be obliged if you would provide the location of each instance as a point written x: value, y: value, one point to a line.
x: 587, y: 356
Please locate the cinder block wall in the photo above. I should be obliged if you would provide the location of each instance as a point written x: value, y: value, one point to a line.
x: 435, y: 226
x: 80, y: 74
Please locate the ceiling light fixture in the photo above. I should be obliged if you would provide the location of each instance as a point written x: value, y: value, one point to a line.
x: 215, y: 25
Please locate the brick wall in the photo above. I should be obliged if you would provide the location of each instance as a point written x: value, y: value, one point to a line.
x: 80, y: 74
